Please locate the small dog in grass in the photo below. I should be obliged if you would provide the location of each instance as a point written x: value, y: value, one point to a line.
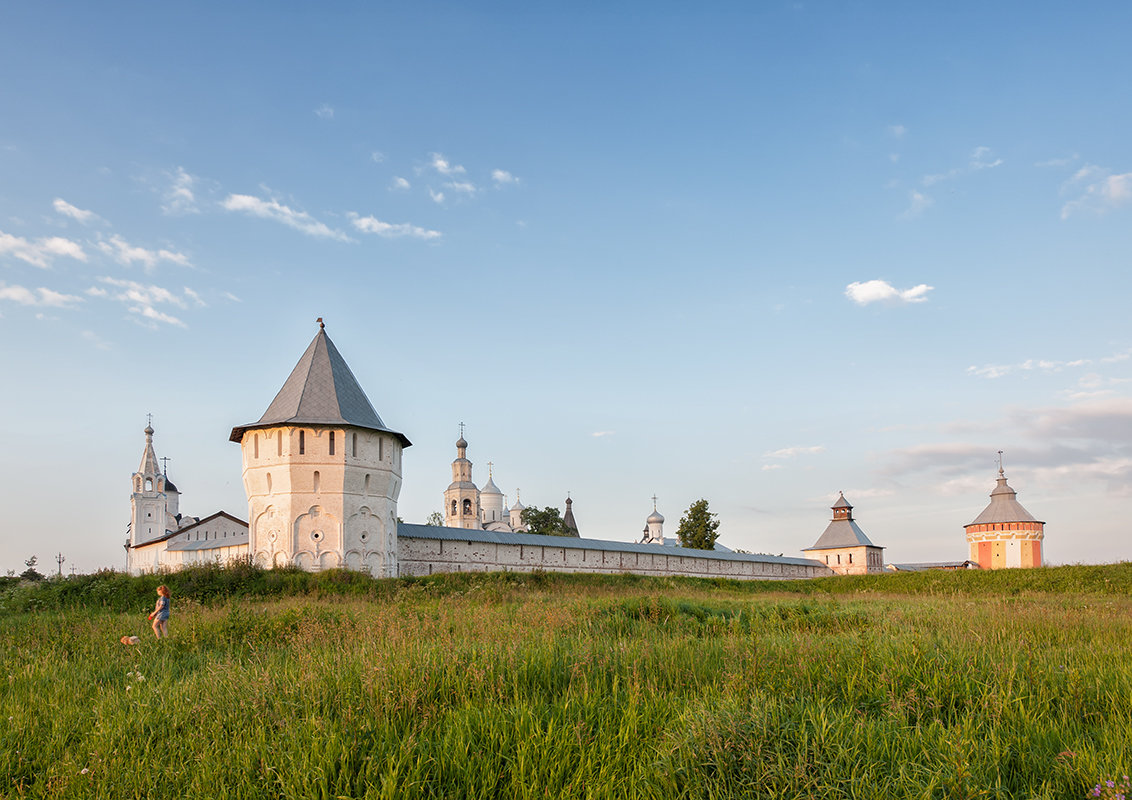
x: 130, y: 640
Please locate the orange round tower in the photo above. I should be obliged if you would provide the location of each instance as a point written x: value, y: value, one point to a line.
x: 1005, y: 534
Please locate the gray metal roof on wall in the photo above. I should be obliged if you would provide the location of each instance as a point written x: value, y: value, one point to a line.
x: 321, y: 390
x: 413, y: 531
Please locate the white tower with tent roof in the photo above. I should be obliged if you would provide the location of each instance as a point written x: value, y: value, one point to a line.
x: 322, y: 471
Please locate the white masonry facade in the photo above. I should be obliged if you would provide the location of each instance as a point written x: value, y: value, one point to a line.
x: 322, y: 474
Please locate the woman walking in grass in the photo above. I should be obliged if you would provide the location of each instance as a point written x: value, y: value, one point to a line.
x: 160, y: 613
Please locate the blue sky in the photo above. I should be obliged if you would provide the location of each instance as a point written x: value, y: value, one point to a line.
x: 754, y: 252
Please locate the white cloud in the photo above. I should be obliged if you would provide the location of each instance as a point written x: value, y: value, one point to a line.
x: 769, y: 467
x: 399, y: 184
x: 980, y: 158
x: 917, y: 203
x: 883, y: 292
x: 1098, y: 189
x: 390, y: 230
x: 37, y: 297
x: 127, y: 254
x: 142, y: 299
x: 1058, y: 162
x: 232, y: 297
x: 377, y: 157
x: 274, y: 210
x: 443, y: 166
x: 502, y: 177
x: 179, y: 197
x: 983, y: 158
x: 437, y: 197
x: 1042, y: 365
x: 461, y: 187
x: 41, y: 252
x: 67, y: 210
x: 324, y: 111
x: 189, y: 293
x: 599, y: 434
x: 897, y: 131
x: 791, y: 452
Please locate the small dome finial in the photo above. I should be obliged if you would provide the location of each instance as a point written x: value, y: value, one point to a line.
x: 321, y: 324
x: 1001, y: 474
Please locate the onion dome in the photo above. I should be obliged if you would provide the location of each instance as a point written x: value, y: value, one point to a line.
x: 655, y: 516
x: 461, y: 443
x: 490, y: 488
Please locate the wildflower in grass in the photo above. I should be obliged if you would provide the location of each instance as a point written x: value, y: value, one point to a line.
x: 84, y: 770
x: 1111, y: 790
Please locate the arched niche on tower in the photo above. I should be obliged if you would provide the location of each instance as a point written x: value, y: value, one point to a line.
x: 316, y: 532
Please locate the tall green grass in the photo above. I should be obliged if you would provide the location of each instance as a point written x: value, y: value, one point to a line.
x: 290, y: 685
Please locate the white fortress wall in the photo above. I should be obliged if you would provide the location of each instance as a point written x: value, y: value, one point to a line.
x: 424, y: 550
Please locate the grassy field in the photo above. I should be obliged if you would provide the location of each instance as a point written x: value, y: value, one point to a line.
x: 946, y: 685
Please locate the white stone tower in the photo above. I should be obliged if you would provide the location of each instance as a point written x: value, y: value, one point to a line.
x: 516, y: 514
x: 491, y: 501
x: 654, y: 526
x: 462, y: 498
x: 322, y: 472
x: 149, y: 510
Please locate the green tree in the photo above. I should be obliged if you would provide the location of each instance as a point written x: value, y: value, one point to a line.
x: 31, y: 573
x: 546, y: 522
x: 435, y: 519
x: 698, y: 527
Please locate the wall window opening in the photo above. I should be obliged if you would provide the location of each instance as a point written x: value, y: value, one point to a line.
x: 355, y: 445
x: 317, y: 482
x: 302, y: 443
x: 331, y: 443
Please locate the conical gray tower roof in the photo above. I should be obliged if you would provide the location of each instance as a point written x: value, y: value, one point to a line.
x: 321, y: 391
x: 1004, y: 506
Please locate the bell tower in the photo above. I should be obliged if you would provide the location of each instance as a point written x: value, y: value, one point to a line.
x: 147, y: 502
x: 462, y: 498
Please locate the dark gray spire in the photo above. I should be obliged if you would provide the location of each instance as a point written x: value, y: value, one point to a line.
x: 322, y: 391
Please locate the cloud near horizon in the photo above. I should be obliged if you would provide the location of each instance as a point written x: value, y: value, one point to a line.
x: 61, y: 206
x: 878, y: 291
x: 1099, y: 191
x: 127, y: 254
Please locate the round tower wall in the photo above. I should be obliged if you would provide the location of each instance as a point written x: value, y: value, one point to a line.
x: 322, y: 498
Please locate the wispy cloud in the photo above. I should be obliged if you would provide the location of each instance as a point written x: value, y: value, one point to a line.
x: 232, y: 297
x: 1042, y: 365
x: 1098, y: 191
x: 179, y: 197
x: 399, y: 184
x: 981, y: 158
x: 377, y: 157
x: 37, y: 297
x: 95, y: 340
x: 61, y: 206
x: 918, y: 202
x: 1058, y: 162
x: 502, y: 177
x: 877, y: 291
x: 142, y: 299
x: 442, y: 165
x: 390, y: 230
x: 461, y: 187
x: 127, y: 254
x: 897, y: 131
x: 274, y: 210
x: 793, y: 452
x: 437, y: 197
x: 324, y: 111
x: 41, y: 252
x: 599, y: 434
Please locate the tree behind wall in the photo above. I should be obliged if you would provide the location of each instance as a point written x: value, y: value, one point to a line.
x: 698, y: 527
x: 545, y: 522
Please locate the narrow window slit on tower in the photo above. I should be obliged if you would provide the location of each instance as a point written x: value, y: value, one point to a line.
x: 355, y: 445
x: 302, y: 442
x: 316, y: 481
x: 331, y: 443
